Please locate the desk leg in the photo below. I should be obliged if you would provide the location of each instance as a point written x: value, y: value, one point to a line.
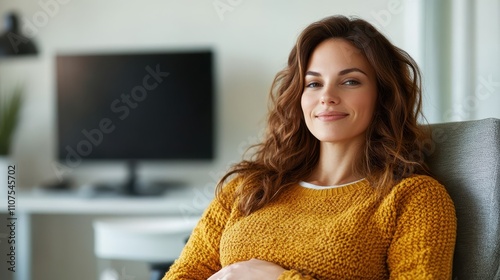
x: 23, y: 248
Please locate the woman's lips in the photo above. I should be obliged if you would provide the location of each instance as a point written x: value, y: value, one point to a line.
x: 331, y: 116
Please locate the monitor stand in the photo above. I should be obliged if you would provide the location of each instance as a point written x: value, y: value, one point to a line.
x: 130, y: 186
x: 133, y: 187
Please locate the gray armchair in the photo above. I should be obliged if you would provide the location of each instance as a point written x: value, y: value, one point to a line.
x: 465, y: 157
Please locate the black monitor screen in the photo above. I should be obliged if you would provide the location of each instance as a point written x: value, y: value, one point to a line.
x: 135, y: 106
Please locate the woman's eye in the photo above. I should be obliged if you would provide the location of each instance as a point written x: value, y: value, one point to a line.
x: 351, y: 83
x: 313, y: 85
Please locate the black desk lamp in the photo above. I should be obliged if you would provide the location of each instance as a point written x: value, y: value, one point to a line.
x: 12, y: 42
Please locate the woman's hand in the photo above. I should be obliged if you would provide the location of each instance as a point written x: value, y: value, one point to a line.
x: 249, y: 270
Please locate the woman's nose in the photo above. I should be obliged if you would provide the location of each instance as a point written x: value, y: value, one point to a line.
x: 329, y: 96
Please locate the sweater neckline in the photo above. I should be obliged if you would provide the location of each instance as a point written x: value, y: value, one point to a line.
x: 334, y: 190
x: 318, y: 187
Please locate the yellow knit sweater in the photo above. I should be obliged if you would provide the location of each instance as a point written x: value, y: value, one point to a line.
x: 335, y: 233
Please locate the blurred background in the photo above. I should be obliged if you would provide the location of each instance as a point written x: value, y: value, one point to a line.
x: 456, y: 44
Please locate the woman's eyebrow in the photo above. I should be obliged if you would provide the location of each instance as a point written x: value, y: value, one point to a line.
x: 349, y: 70
x: 312, y: 73
x: 341, y: 73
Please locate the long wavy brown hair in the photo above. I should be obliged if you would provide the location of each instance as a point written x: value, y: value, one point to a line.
x: 289, y: 152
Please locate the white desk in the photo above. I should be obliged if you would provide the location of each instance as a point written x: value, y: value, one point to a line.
x: 185, y: 202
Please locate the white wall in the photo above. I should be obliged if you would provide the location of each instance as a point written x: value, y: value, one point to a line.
x: 461, y: 61
x: 486, y: 83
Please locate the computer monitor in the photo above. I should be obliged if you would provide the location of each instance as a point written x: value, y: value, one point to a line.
x: 135, y: 106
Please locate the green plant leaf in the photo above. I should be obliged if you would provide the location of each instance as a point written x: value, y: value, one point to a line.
x: 10, y: 107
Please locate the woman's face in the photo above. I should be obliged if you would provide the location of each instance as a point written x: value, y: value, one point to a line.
x: 340, y: 92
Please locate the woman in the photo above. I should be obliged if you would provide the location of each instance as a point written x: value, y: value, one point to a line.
x: 337, y: 189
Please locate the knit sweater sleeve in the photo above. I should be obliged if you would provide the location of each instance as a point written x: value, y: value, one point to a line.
x: 200, y: 257
x: 294, y: 275
x: 424, y: 239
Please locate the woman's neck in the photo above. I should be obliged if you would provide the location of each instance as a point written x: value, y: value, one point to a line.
x: 335, y: 164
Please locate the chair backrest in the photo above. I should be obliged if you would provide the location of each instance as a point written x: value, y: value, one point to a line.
x: 465, y: 157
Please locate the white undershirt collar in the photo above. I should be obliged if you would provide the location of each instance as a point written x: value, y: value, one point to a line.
x: 316, y: 187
